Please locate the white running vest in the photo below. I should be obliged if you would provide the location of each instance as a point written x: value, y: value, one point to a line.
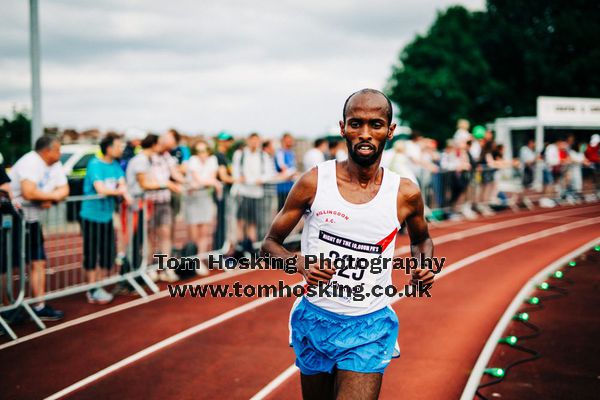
x: 337, y: 228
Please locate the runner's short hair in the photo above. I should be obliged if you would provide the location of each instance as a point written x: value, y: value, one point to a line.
x: 389, y: 111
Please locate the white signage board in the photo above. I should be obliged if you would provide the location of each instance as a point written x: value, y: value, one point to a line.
x: 567, y: 110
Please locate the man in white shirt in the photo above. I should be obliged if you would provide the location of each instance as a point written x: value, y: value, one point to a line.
x: 396, y: 160
x: 462, y: 133
x: 552, y: 156
x: 315, y: 155
x: 252, y: 167
x: 554, y: 165
x: 37, y: 182
x: 527, y: 158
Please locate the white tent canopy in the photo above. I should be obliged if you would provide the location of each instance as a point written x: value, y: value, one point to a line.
x: 552, y: 112
x: 571, y: 113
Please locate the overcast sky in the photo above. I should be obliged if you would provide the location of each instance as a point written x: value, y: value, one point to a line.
x: 204, y: 66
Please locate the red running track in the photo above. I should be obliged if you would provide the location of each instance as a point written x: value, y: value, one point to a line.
x: 440, y: 337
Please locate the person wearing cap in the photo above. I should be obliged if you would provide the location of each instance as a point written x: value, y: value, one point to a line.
x: 223, y: 144
x: 134, y: 137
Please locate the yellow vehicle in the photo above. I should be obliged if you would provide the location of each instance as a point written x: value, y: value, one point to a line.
x: 75, y: 157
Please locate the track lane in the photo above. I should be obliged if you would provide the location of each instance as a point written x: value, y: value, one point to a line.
x: 250, y: 352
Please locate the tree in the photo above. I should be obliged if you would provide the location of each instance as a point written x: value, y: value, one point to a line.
x: 15, y: 136
x: 443, y: 76
x: 491, y: 64
x: 542, y: 48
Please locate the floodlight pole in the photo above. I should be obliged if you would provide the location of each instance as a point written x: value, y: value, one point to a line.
x: 34, y: 54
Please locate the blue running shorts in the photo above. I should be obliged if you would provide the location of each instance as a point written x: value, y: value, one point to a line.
x: 324, y: 341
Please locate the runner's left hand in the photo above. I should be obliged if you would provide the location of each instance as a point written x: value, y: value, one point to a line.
x: 424, y: 275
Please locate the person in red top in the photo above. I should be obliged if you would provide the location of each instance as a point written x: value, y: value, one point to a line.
x: 591, y: 153
x: 593, y: 156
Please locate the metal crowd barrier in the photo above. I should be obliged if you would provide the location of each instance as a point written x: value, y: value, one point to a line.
x: 253, y: 208
x: 237, y: 223
x: 446, y: 191
x: 63, y: 242
x: 12, y: 266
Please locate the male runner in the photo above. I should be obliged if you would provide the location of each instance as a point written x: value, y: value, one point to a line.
x: 352, y: 208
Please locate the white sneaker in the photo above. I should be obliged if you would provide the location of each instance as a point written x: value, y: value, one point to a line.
x: 99, y: 296
x: 547, y: 203
x: 590, y: 198
x: 455, y: 217
x: 168, y: 275
x: 485, y: 210
x: 153, y: 275
x: 528, y: 203
x: 468, y: 212
x: 202, y: 270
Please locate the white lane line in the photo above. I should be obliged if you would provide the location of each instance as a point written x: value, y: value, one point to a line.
x: 162, y: 344
x: 289, y: 372
x: 215, y: 278
x: 496, y: 226
x: 500, y: 216
x: 121, y: 307
x: 492, y: 342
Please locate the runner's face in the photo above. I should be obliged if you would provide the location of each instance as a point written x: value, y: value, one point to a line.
x: 367, y: 128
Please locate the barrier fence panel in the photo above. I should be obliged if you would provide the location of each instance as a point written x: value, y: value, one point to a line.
x: 80, y: 253
x: 50, y: 251
x: 12, y: 267
x: 253, y: 208
x: 480, y: 190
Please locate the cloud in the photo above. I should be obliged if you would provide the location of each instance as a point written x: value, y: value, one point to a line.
x: 267, y: 65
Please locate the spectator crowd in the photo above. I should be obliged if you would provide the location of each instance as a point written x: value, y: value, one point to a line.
x: 226, y: 192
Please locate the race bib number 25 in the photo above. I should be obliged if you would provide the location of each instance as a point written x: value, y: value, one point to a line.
x: 350, y: 272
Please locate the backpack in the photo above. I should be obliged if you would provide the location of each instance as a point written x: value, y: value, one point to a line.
x: 262, y: 162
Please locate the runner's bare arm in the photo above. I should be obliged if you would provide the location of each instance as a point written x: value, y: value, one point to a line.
x: 411, y: 210
x: 298, y: 201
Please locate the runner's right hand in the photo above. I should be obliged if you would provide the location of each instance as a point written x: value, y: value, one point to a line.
x: 314, y: 272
